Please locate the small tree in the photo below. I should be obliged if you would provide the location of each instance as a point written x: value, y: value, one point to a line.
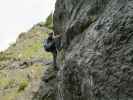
x: 49, y: 21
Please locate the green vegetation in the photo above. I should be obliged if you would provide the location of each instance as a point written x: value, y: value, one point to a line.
x: 49, y: 21
x: 23, y: 84
x: 13, y: 44
x: 18, y: 81
x: 31, y: 46
x: 10, y: 95
x: 4, y: 56
x: 29, y: 51
x: 15, y: 81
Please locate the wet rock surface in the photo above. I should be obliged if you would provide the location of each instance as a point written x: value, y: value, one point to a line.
x: 98, y: 49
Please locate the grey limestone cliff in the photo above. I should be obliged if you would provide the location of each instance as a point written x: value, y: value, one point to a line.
x: 96, y: 62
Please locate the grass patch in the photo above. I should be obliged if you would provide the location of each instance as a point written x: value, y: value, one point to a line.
x: 4, y: 56
x: 5, y: 81
x: 31, y: 50
x: 37, y: 70
x: 29, y: 47
x: 23, y: 84
x: 10, y: 96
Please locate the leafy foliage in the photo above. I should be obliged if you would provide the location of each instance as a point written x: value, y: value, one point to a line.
x: 49, y: 21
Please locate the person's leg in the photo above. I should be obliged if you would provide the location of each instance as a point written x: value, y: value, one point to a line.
x: 54, y: 59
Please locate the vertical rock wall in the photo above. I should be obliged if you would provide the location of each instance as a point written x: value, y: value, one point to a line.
x: 96, y: 62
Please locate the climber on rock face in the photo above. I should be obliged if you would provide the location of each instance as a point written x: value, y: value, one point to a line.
x: 51, y: 45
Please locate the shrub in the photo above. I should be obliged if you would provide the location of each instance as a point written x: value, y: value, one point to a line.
x: 23, y: 85
x: 49, y: 22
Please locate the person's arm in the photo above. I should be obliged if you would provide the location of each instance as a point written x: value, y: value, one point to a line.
x: 57, y: 35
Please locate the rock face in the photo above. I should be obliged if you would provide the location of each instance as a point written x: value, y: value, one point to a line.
x: 97, y: 58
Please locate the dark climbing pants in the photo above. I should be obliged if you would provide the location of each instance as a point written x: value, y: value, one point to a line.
x: 54, y: 59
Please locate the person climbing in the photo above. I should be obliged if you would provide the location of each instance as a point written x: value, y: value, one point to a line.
x: 51, y: 44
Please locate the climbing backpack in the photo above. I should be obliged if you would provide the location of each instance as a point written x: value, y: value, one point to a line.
x: 49, y: 45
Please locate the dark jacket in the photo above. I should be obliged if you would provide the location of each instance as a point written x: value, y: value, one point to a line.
x: 49, y: 45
